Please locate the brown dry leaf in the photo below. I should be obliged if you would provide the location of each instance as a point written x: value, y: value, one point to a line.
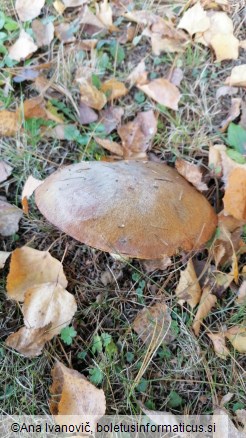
x: 10, y: 216
x: 176, y: 76
x: 43, y: 33
x: 23, y: 47
x: 88, y: 18
x: 226, y: 90
x: 188, y: 289
x: 219, y: 344
x: 5, y: 170
x: 8, y: 123
x: 162, y: 91
x: 237, y: 337
x: 194, y: 20
x: 235, y: 194
x: 114, y: 89
x: 192, y: 173
x: 29, y: 342
x: 30, y: 186
x: 138, y: 75
x: 153, y: 265
x: 110, y: 118
x: 137, y: 136
x: 64, y: 32
x: 111, y: 146
x: 153, y: 325
x: 48, y: 303
x: 91, y: 96
x: 241, y: 295
x: 241, y: 417
x: 144, y: 17
x: 237, y: 77
x: 160, y: 417
x: 234, y: 112
x: 34, y: 108
x: 86, y: 114
x: 3, y: 257
x: 104, y: 13
x: 206, y: 303
x: 72, y: 394
x: 30, y: 267
x: 28, y: 9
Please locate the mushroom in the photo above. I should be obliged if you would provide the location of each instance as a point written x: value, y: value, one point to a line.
x: 138, y: 209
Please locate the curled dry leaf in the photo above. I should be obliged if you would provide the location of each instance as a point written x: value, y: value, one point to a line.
x: 241, y: 296
x: 23, y: 47
x: 110, y: 118
x: 3, y: 258
x: 235, y: 194
x: 192, y: 173
x: 43, y: 33
x: 10, y: 216
x: 29, y: 187
x: 237, y: 337
x: 8, y: 123
x: 5, y: 170
x: 220, y: 348
x: 206, y: 303
x: 162, y: 91
x: 153, y: 325
x: 28, y: 9
x: 30, y: 267
x: 188, y: 288
x: 194, y: 20
x: 29, y: 342
x: 111, y: 146
x: 91, y: 96
x: 234, y: 112
x: 237, y: 77
x: 72, y: 394
x: 137, y: 136
x: 114, y: 89
x: 138, y: 75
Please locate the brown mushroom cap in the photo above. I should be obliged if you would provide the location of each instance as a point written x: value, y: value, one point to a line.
x: 138, y: 209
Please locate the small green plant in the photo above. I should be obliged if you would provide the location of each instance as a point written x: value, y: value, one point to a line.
x: 68, y: 334
x: 140, y: 286
x: 236, y: 138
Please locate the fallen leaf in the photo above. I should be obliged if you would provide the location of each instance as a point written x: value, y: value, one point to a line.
x: 114, y: 89
x: 34, y: 108
x: 195, y: 20
x: 241, y: 295
x: 29, y: 342
x: 188, y: 288
x: 192, y: 173
x: 234, y: 112
x: 10, y: 216
x: 74, y: 3
x: 224, y: 90
x: 153, y: 325
x: 241, y: 417
x: 220, y: 348
x: 28, y: 9
x: 176, y: 76
x: 59, y: 6
x: 110, y: 118
x: 237, y: 337
x: 3, y: 257
x: 43, y: 33
x: 160, y: 417
x: 237, y: 77
x: 5, y: 169
x: 30, y: 267
x: 8, y: 123
x: 72, y: 394
x: 137, y: 136
x: 158, y: 264
x: 207, y: 301
x: 111, y: 146
x: 162, y: 91
x: 48, y: 303
x: 65, y: 32
x: 30, y: 186
x: 104, y: 13
x: 86, y: 114
x: 91, y: 96
x: 224, y: 425
x: 235, y: 194
x: 138, y: 75
x: 88, y: 18
x: 225, y: 47
x: 23, y: 47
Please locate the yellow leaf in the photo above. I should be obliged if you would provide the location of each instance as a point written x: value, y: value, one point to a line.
x: 235, y: 194
x: 34, y: 108
x: 104, y: 13
x: 29, y: 342
x: 30, y: 267
x: 138, y: 75
x: 72, y: 394
x: 23, y: 47
x: 237, y: 337
x: 225, y: 47
x: 188, y: 288
x: 195, y: 20
x: 220, y: 348
x: 114, y: 89
x: 206, y: 303
x: 8, y: 123
x: 237, y: 77
x: 91, y: 96
x: 59, y: 6
x: 162, y: 91
x: 192, y: 173
x: 28, y: 9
